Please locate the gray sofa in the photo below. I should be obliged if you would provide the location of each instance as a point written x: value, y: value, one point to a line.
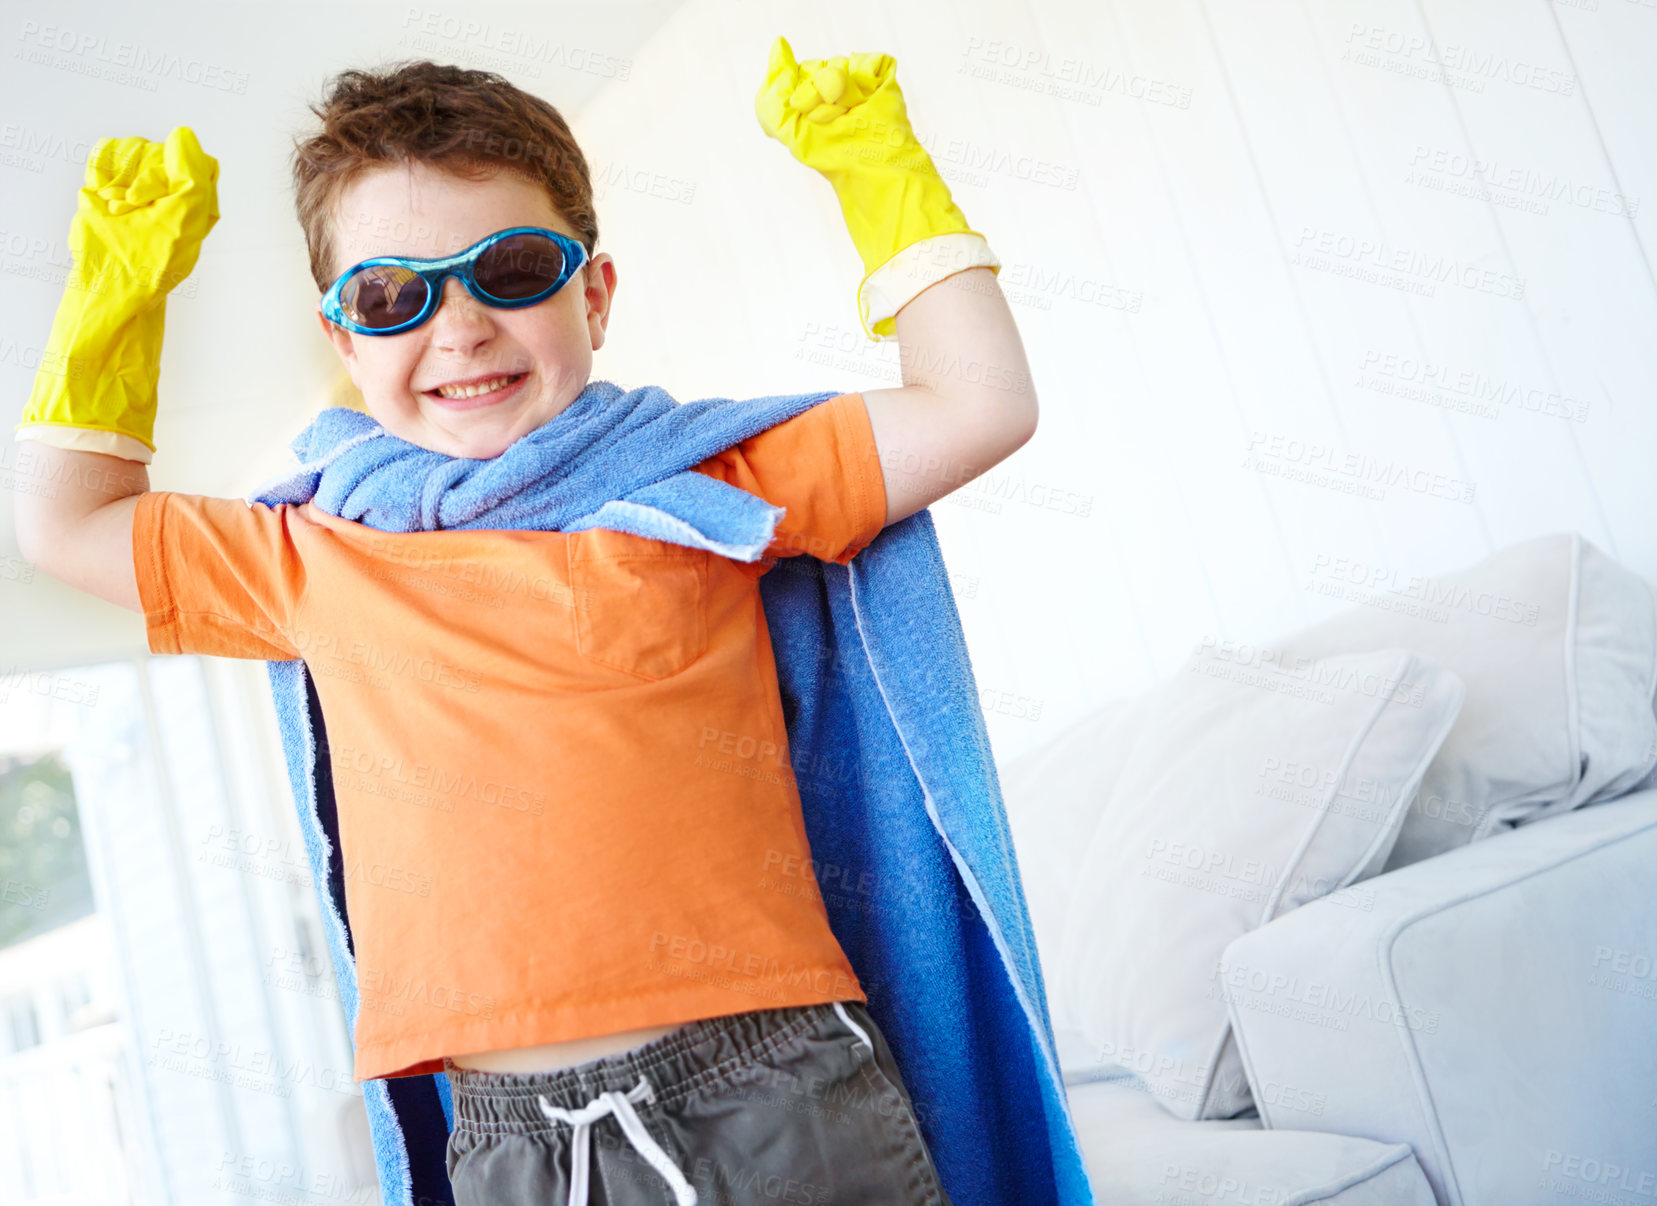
x: 1485, y: 1034
x: 1475, y: 1022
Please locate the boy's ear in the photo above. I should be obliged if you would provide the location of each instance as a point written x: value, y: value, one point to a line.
x: 600, y: 294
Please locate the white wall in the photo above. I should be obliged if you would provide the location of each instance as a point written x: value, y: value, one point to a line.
x: 1232, y: 234
x: 1181, y: 192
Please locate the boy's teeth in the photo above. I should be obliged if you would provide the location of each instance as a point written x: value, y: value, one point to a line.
x: 472, y: 391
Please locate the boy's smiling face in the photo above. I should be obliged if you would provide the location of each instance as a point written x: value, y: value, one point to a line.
x: 545, y: 351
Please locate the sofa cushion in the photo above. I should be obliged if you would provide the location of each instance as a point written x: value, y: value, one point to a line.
x: 1054, y: 795
x: 1137, y: 1154
x: 1557, y: 644
x: 1154, y: 834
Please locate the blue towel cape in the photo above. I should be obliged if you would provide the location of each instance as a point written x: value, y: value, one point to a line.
x: 876, y: 685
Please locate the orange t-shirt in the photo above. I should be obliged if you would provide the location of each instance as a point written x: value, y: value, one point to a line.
x: 566, y: 805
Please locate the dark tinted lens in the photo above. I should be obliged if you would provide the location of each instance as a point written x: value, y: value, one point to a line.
x: 519, y: 266
x: 383, y: 296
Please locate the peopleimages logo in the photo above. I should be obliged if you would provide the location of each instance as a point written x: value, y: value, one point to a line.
x: 1270, y: 991
x: 531, y: 44
x: 1565, y: 1172
x: 378, y: 659
x: 1495, y: 391
x: 1417, y: 54
x: 382, y: 990
x: 1436, y: 592
x: 1378, y: 262
x: 361, y: 770
x: 717, y: 958
x: 95, y: 54
x: 53, y: 686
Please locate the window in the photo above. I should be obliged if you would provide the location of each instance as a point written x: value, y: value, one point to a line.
x: 21, y: 1025
x: 44, y: 881
x: 152, y: 1045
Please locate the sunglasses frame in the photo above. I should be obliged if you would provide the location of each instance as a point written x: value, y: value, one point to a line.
x: 435, y: 272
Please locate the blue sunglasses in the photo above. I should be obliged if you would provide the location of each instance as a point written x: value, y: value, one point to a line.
x: 510, y: 269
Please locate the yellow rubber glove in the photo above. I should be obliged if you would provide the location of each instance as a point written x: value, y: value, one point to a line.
x: 845, y: 117
x: 136, y: 233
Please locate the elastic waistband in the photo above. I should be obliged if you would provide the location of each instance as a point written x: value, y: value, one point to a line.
x: 676, y: 1064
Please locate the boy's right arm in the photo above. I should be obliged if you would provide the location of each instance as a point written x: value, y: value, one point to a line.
x: 74, y: 513
x: 87, y: 428
x: 218, y: 576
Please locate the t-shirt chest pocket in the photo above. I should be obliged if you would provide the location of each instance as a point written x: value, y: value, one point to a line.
x: 641, y: 605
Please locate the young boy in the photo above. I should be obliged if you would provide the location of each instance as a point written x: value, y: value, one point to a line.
x: 556, y: 910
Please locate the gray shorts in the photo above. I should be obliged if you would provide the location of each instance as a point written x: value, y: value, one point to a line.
x: 773, y: 1106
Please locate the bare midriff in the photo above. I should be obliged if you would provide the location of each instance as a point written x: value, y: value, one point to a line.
x: 550, y: 1057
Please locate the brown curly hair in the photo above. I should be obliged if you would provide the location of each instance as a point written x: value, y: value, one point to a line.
x: 472, y: 124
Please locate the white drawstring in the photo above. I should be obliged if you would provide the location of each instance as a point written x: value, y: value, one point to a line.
x: 621, y: 1105
x: 858, y: 1030
x: 613, y: 1102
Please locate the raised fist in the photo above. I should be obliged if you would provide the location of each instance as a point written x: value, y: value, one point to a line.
x: 143, y: 213
x: 819, y: 107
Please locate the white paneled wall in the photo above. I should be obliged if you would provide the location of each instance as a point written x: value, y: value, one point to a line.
x: 1305, y: 285
x: 1310, y: 290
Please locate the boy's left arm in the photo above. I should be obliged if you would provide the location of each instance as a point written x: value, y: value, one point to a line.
x: 967, y: 401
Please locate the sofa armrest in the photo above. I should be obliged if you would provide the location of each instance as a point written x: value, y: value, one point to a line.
x: 1494, y: 1007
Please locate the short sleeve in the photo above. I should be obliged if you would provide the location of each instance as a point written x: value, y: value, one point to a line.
x: 823, y: 467
x: 217, y: 576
